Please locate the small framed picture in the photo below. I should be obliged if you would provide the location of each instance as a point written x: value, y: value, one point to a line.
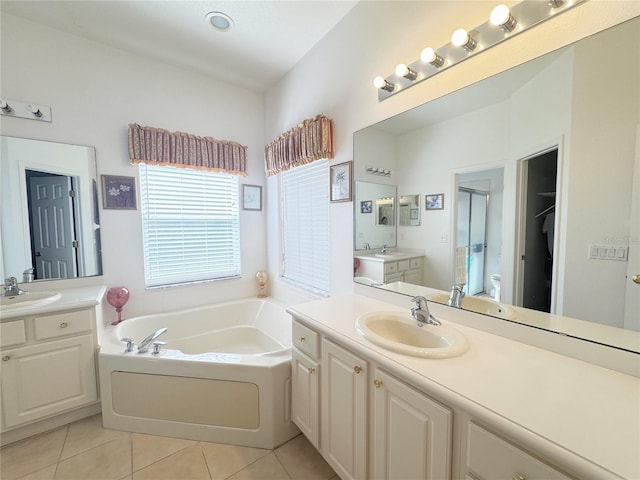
x: 119, y: 192
x: 434, y: 201
x: 251, y: 197
x: 340, y: 182
x: 414, y: 214
x: 366, y: 206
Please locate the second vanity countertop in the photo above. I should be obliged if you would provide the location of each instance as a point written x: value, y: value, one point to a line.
x: 556, y: 402
x: 392, y: 257
x: 70, y: 299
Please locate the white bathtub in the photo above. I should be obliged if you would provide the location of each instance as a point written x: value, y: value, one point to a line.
x: 224, y: 375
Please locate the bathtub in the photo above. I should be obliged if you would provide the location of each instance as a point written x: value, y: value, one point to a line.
x: 223, y: 376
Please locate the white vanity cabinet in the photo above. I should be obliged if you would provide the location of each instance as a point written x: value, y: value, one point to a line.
x: 490, y: 456
x: 48, y: 365
x: 405, y: 268
x: 412, y: 433
x: 343, y: 416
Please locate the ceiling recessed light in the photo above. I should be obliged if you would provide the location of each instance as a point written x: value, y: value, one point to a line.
x: 219, y: 21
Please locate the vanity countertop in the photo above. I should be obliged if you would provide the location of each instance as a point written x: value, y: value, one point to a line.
x: 551, y: 402
x: 70, y: 299
x: 392, y: 257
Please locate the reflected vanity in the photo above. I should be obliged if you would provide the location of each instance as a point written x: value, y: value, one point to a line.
x: 50, y: 223
x: 511, y: 124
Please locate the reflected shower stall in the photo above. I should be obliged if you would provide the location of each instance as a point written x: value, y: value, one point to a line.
x: 471, y: 240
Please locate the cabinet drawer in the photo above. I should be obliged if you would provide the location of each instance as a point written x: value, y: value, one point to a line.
x: 391, y: 267
x: 490, y: 456
x: 306, y: 340
x: 67, y: 323
x: 12, y: 333
x: 415, y: 263
x: 403, y: 265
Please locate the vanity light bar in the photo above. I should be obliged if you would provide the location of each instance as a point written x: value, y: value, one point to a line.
x: 504, y: 23
x: 31, y: 111
x: 378, y: 171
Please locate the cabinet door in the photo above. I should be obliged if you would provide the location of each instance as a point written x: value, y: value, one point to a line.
x: 305, y: 384
x: 411, y: 433
x: 344, y: 411
x: 48, y: 378
x: 413, y: 276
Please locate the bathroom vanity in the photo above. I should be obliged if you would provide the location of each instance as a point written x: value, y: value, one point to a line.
x: 391, y: 267
x: 49, y: 361
x: 502, y: 409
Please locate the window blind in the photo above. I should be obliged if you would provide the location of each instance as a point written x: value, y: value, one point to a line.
x: 190, y: 225
x: 305, y: 226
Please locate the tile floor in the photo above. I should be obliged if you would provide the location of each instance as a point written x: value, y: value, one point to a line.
x: 84, y: 450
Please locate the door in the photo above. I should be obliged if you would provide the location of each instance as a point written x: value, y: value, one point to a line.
x: 632, y: 297
x: 306, y: 396
x: 471, y: 242
x: 343, y: 436
x: 52, y: 225
x: 538, y: 227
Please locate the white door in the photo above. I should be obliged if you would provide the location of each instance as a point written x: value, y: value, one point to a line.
x: 632, y: 298
x: 52, y: 227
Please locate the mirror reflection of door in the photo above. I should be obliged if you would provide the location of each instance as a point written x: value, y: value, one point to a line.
x: 385, y: 212
x: 471, y: 242
x: 539, y: 226
x: 52, y: 225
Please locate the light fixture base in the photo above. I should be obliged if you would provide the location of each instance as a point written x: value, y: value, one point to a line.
x: 30, y: 111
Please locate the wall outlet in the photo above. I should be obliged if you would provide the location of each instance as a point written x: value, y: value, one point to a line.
x: 616, y: 253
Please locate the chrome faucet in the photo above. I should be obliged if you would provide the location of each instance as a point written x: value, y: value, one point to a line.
x: 456, y: 296
x: 367, y: 246
x: 383, y: 250
x: 420, y: 313
x: 144, y: 344
x: 11, y: 288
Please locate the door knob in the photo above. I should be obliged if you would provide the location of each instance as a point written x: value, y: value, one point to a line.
x: 636, y: 278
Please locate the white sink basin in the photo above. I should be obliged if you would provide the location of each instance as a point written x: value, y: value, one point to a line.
x: 400, y: 333
x: 479, y: 305
x: 30, y: 299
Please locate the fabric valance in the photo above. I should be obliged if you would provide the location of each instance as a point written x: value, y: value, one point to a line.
x: 155, y: 146
x: 310, y: 140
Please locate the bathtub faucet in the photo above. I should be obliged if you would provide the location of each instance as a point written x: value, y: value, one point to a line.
x: 144, y: 345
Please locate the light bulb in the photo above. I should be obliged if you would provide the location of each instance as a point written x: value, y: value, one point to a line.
x: 461, y: 38
x: 403, y: 71
x: 501, y: 17
x: 380, y: 82
x: 429, y: 55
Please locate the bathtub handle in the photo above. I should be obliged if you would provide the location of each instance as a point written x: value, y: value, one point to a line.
x: 157, y: 346
x: 130, y: 344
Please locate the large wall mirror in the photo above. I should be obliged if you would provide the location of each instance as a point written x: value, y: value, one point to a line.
x: 539, y: 169
x: 50, y: 222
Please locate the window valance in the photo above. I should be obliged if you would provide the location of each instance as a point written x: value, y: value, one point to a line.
x: 155, y: 146
x: 310, y: 140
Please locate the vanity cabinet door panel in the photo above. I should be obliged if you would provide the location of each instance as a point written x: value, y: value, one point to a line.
x: 305, y: 405
x: 490, y: 456
x: 343, y: 437
x: 412, y: 434
x: 46, y: 379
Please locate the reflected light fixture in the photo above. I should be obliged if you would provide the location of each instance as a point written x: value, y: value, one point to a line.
x: 556, y: 3
x: 461, y: 38
x: 403, y: 71
x: 381, y: 83
x: 429, y: 55
x: 35, y: 111
x: 501, y: 17
x: 5, y: 107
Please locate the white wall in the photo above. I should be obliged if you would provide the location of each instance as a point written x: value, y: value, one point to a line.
x: 95, y: 91
x: 335, y: 79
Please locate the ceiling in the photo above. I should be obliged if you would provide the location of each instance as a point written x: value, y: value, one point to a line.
x: 267, y: 39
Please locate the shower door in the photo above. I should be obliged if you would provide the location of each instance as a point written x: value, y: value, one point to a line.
x: 471, y: 241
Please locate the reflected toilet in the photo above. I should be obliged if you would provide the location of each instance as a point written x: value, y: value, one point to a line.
x: 495, y: 281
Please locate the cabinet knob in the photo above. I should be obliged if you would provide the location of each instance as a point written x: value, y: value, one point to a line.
x: 377, y: 383
x: 311, y: 369
x: 6, y: 358
x: 301, y: 338
x: 357, y: 369
x: 64, y: 325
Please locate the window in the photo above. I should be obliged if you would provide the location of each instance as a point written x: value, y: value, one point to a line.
x: 190, y: 225
x: 305, y: 226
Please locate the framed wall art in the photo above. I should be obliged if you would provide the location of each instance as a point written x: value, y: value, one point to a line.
x: 434, y: 201
x: 119, y: 193
x: 251, y: 197
x: 340, y: 182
